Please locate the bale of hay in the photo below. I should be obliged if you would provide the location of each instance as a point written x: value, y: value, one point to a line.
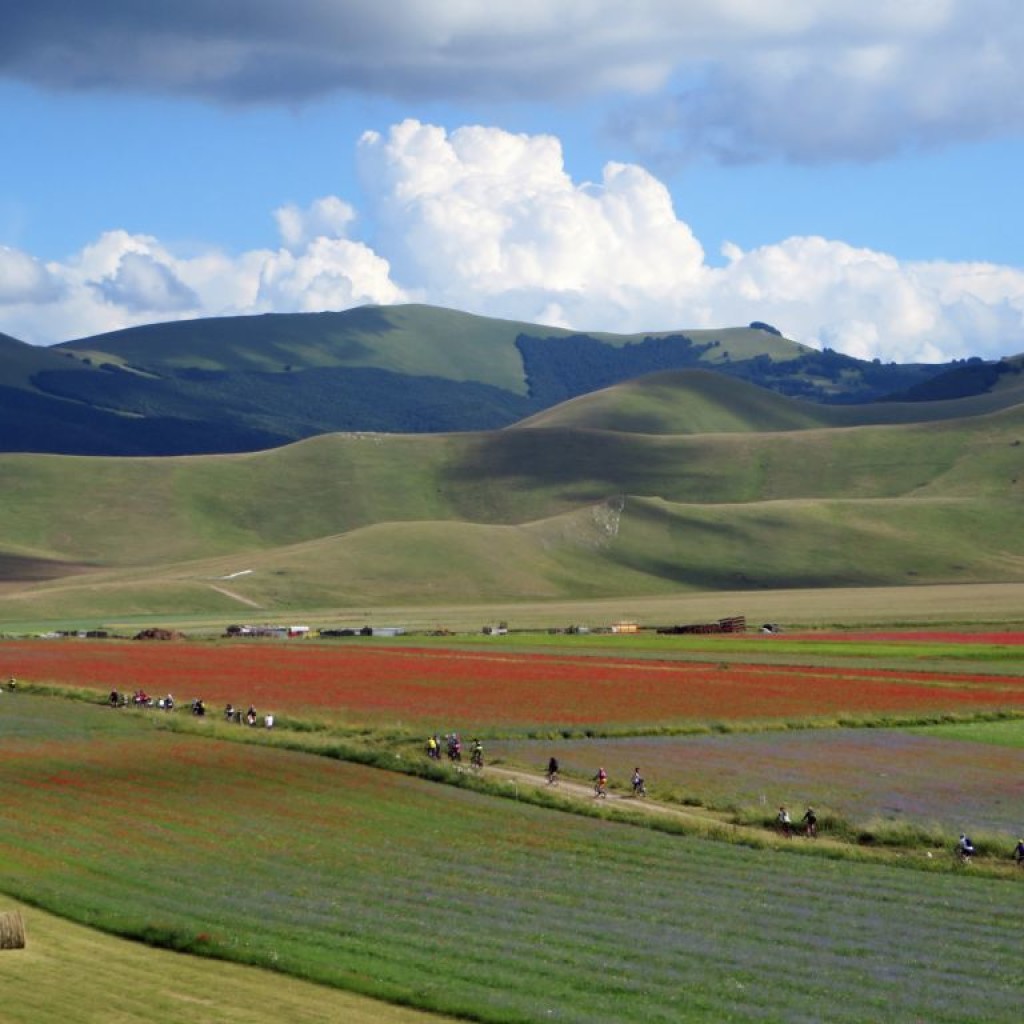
x: 12, y: 930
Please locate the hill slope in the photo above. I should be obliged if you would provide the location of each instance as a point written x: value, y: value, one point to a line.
x: 543, y: 511
x: 700, y: 402
x: 246, y: 383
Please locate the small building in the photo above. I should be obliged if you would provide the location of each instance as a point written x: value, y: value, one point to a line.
x: 625, y: 627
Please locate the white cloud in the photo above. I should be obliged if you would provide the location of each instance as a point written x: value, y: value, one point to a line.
x: 328, y: 217
x: 330, y: 273
x: 482, y: 213
x: 142, y: 284
x: 122, y: 280
x: 491, y: 222
x: 24, y: 279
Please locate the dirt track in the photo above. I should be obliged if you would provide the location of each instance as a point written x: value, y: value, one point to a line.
x: 700, y: 819
x: 708, y: 823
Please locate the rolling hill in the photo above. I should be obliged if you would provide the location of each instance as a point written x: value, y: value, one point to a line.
x: 237, y: 384
x: 750, y: 490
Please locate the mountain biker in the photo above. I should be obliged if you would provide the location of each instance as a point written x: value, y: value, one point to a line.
x: 1018, y: 853
x: 784, y: 821
x: 639, y: 789
x: 476, y: 756
x: 553, y: 771
x: 601, y: 783
x: 964, y: 848
x: 810, y: 822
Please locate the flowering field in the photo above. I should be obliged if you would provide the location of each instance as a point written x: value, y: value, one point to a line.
x: 495, y: 691
x: 447, y: 899
x: 866, y: 776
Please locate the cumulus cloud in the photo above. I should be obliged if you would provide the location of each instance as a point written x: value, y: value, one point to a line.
x: 491, y: 222
x: 328, y: 217
x: 482, y: 213
x: 734, y: 79
x: 122, y: 280
x: 141, y: 284
x: 330, y: 273
x: 24, y: 279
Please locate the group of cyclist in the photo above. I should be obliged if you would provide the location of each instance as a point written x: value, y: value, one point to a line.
x: 808, y: 824
x: 964, y: 850
x: 452, y: 745
x: 600, y: 780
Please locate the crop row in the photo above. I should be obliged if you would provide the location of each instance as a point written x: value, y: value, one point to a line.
x: 447, y: 899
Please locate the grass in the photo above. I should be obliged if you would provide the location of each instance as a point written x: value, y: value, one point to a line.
x: 69, y: 972
x: 1003, y: 734
x: 503, y: 912
x: 516, y: 515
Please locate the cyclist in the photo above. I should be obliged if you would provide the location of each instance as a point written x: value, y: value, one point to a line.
x: 601, y: 783
x: 476, y: 757
x: 639, y: 789
x: 810, y: 822
x: 553, y: 772
x: 964, y: 848
x: 784, y: 821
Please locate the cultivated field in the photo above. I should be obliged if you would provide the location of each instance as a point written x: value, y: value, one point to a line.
x: 492, y: 901
x: 454, y: 901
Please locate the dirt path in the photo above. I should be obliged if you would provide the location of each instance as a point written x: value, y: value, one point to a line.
x: 711, y: 824
x: 696, y: 817
x: 235, y: 597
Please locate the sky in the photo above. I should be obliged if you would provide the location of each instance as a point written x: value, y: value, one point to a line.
x: 849, y: 171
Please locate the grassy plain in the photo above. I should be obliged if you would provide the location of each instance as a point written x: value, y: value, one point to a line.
x: 68, y: 972
x: 194, y: 606
x: 451, y: 900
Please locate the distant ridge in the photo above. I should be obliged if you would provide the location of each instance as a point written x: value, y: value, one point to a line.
x: 247, y: 383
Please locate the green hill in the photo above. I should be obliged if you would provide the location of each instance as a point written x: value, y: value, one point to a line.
x: 764, y: 497
x: 236, y: 384
x: 700, y: 401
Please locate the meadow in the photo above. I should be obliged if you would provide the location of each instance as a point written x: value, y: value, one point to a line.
x: 69, y: 972
x: 483, y: 901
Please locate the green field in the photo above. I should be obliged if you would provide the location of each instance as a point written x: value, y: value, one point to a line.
x: 455, y: 901
x: 68, y: 972
x: 1001, y: 734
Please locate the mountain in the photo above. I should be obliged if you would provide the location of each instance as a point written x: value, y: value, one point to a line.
x: 676, y: 482
x: 236, y: 384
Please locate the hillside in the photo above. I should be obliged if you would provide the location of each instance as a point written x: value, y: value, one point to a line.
x: 237, y: 384
x: 762, y: 498
x: 702, y: 401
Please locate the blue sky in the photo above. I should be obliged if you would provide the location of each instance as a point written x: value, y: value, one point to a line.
x: 847, y: 171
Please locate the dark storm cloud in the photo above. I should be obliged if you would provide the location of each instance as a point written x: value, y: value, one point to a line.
x: 736, y: 80
x: 268, y: 51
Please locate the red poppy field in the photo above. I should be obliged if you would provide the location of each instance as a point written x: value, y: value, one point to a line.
x: 505, y: 690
